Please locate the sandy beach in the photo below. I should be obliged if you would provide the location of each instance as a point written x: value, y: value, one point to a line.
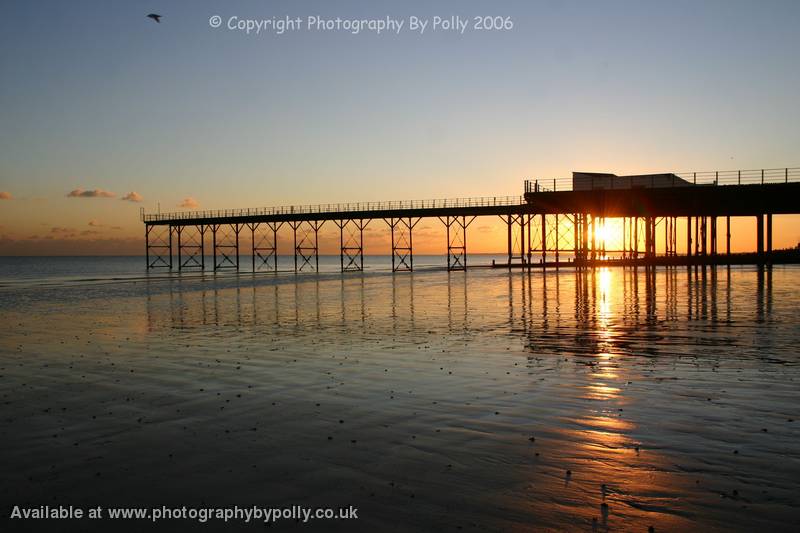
x: 481, y: 401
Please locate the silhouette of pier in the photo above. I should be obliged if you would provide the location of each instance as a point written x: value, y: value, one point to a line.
x: 592, y: 219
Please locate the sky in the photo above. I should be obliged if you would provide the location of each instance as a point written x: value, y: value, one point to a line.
x: 104, y: 112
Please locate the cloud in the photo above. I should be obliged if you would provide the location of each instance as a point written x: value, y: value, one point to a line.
x: 61, y: 233
x: 133, y: 196
x: 189, y: 203
x: 5, y: 195
x: 94, y: 193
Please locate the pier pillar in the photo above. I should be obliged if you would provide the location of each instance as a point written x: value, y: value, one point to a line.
x: 714, y: 235
x: 544, y: 239
x: 402, y: 242
x: 351, y: 244
x: 624, y: 238
x: 603, y: 240
x: 688, y: 236
x: 306, y: 244
x: 769, y: 238
x: 728, y: 235
x: 530, y: 238
x: 456, y: 241
x: 194, y: 248
x: 225, y: 245
x: 556, y: 239
x: 704, y: 235
x: 509, y: 241
x: 170, y: 247
x: 265, y: 246
x: 760, y: 238
x: 158, y: 246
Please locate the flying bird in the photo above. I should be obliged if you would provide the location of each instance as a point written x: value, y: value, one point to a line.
x: 155, y: 17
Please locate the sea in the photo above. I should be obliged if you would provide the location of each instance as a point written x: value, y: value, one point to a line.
x: 608, y: 399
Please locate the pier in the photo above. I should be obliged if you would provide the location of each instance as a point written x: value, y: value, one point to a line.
x: 591, y: 219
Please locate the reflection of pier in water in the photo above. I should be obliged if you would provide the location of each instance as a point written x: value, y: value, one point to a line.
x: 649, y: 301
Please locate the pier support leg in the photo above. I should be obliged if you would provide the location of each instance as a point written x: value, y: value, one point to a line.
x: 556, y: 227
x: 265, y: 245
x: 688, y: 236
x: 585, y: 225
x: 351, y: 244
x: 510, y: 251
x: 714, y: 236
x: 225, y: 245
x: 456, y: 241
x: 760, y: 238
x: 523, y: 220
x: 402, y: 242
x: 158, y: 246
x: 170, y: 247
x: 193, y: 245
x: 544, y: 239
x: 769, y: 238
x: 306, y: 244
x: 728, y: 236
x: 529, y: 244
x: 704, y: 235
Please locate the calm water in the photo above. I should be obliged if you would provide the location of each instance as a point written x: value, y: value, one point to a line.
x: 486, y: 400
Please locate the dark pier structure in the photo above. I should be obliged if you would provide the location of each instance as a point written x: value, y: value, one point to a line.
x: 594, y: 219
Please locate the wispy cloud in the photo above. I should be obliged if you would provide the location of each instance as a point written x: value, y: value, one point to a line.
x: 5, y: 195
x: 93, y: 193
x: 189, y: 203
x: 132, y: 196
x: 59, y: 229
x: 97, y: 224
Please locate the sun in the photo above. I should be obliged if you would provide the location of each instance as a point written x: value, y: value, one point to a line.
x: 602, y: 233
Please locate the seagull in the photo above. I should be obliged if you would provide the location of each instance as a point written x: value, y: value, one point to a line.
x: 155, y: 17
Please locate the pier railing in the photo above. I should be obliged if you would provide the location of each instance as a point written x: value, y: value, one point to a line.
x: 759, y: 176
x: 444, y: 203
x: 681, y: 179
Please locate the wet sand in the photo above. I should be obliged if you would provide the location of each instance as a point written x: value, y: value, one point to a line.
x: 431, y: 401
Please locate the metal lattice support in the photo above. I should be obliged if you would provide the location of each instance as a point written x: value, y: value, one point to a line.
x: 265, y: 245
x: 158, y: 246
x: 306, y: 244
x: 402, y: 242
x: 351, y: 243
x: 516, y: 225
x: 191, y: 247
x: 562, y: 235
x: 456, y: 241
x: 225, y: 240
